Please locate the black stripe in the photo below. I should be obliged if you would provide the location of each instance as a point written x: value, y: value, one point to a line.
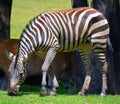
x: 61, y: 36
x: 42, y: 36
x: 83, y: 22
x: 53, y: 24
x: 30, y: 38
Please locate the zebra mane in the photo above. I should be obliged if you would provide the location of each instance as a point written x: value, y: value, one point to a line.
x: 17, y: 59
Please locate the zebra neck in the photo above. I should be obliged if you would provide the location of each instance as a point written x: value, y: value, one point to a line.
x: 26, y: 46
x: 21, y: 57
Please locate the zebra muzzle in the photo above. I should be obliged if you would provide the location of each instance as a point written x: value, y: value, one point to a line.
x: 13, y: 91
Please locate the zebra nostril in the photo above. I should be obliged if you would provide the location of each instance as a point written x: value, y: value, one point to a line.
x: 12, y: 92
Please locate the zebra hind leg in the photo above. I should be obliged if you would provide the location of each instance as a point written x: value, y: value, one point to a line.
x: 104, y: 66
x: 104, y: 79
x: 85, y: 85
x: 49, y: 58
x: 87, y: 65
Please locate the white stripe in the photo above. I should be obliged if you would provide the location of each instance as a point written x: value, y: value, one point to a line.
x: 71, y: 34
x: 66, y: 33
x: 44, y: 30
x: 51, y: 25
x: 97, y: 24
x: 39, y: 17
x: 33, y: 34
x: 28, y: 46
x: 101, y: 33
x: 64, y: 18
x: 87, y: 22
x: 33, y: 37
x: 73, y: 16
x: 67, y: 14
x: 38, y: 33
x: 98, y: 40
x: 70, y: 23
x: 23, y: 46
x: 23, y: 52
x: 78, y: 24
x: 24, y: 35
x: 50, y: 30
x: 53, y: 22
x: 58, y: 26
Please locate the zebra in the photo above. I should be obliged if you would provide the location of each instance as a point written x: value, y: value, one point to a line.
x: 83, y: 29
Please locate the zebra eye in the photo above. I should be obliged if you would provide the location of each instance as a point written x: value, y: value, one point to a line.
x: 21, y: 74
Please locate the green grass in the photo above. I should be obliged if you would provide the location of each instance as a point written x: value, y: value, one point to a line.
x: 24, y: 10
x: 31, y: 95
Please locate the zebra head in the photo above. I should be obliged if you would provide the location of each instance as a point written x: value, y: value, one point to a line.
x: 17, y: 74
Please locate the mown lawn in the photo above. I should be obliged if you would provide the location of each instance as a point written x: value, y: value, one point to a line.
x: 31, y: 95
x: 22, y: 12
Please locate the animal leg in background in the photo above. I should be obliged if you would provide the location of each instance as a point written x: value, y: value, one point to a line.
x: 52, y: 82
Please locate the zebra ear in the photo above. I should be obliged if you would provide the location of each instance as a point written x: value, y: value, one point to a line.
x: 9, y: 55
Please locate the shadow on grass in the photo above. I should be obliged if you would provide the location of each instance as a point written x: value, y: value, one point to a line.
x: 35, y: 90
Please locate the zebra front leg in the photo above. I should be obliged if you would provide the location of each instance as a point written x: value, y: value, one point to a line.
x: 104, y: 79
x: 43, y: 89
x: 52, y: 82
x: 49, y: 58
x: 54, y: 86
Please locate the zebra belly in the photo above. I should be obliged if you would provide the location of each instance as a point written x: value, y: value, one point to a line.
x: 86, y: 47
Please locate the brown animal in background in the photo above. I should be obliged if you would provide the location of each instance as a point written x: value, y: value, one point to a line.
x: 10, y: 45
x: 65, y: 64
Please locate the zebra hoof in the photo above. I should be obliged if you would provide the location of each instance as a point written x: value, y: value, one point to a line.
x: 81, y: 94
x: 43, y: 92
x: 102, y: 94
x: 52, y: 93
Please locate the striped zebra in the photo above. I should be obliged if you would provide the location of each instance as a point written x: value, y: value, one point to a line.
x: 82, y: 29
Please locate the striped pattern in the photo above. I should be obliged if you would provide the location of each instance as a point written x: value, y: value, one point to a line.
x: 63, y: 31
